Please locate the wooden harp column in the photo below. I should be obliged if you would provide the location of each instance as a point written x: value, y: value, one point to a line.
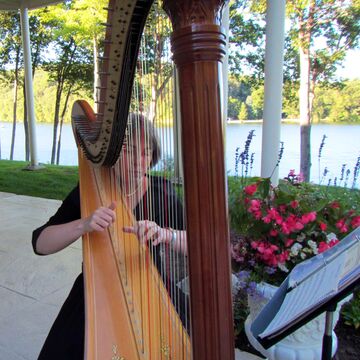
x: 199, y: 45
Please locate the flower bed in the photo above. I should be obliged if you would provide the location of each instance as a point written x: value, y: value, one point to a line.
x: 279, y: 227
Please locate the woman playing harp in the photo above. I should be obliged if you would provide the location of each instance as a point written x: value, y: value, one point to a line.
x: 198, y: 45
x: 157, y: 223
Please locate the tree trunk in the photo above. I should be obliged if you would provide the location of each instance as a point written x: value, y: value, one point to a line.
x: 96, y: 74
x: 62, y: 74
x: 156, y: 78
x: 56, y: 122
x: 305, y: 33
x: 59, y: 90
x: 305, y: 124
x: 61, y: 125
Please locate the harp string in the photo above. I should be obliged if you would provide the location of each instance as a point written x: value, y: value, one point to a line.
x: 124, y: 186
x: 163, y: 114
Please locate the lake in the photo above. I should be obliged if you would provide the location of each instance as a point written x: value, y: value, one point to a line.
x: 342, y: 146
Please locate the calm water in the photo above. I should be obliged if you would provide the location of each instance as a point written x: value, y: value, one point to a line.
x: 342, y: 146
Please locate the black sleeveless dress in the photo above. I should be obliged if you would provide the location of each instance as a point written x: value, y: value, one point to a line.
x: 66, y: 337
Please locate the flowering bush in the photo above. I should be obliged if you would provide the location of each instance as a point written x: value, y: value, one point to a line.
x: 278, y: 227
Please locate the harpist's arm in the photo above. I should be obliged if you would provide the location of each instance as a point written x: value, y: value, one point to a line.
x: 54, y: 238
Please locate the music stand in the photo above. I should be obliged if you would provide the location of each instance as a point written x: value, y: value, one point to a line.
x: 337, y: 270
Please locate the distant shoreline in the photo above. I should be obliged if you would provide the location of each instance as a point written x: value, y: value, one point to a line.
x: 260, y: 121
x: 289, y: 121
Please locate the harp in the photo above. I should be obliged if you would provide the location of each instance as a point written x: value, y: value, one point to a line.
x: 130, y: 311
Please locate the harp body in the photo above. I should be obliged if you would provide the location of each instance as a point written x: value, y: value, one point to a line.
x: 116, y: 327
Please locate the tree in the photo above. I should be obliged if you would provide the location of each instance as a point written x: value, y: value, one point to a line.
x: 84, y: 21
x: 40, y: 37
x: 247, y: 40
x: 243, y: 113
x: 321, y: 32
x: 12, y: 58
x: 339, y: 103
x: 336, y: 22
x: 234, y: 106
x: 257, y: 96
x: 66, y: 71
x: 11, y: 54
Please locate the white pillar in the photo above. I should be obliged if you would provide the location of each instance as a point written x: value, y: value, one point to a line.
x: 25, y: 35
x: 274, y: 60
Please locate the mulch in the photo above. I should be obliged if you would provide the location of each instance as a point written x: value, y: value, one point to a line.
x: 348, y: 342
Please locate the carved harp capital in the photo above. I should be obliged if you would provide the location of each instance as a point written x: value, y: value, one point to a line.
x: 197, y: 35
x: 187, y: 12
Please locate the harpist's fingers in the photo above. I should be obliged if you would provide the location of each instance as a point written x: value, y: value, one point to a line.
x: 112, y: 206
x: 129, y: 229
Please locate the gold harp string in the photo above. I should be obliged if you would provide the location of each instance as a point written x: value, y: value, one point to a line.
x: 153, y: 338
x: 147, y: 99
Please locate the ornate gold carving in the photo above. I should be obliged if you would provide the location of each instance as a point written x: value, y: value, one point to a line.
x: 187, y: 12
x: 115, y: 354
x: 165, y: 348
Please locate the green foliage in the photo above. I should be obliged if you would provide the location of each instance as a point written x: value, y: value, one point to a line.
x: 247, y: 39
x: 234, y: 106
x: 257, y: 102
x: 281, y: 226
x: 51, y: 182
x: 334, y: 102
x: 338, y: 103
x: 291, y: 100
x: 79, y: 19
x: 241, y: 311
x: 44, y: 93
x: 243, y: 113
x: 351, y: 311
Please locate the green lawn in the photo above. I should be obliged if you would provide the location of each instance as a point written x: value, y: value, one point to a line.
x: 51, y: 182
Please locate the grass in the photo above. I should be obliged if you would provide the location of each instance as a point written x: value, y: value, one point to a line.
x: 50, y: 182
x: 55, y: 182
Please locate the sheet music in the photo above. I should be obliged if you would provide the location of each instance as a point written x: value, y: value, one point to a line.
x: 301, y: 298
x: 311, y: 284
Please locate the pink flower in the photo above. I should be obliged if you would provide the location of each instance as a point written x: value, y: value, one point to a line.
x: 266, y: 219
x: 255, y: 208
x: 271, y: 260
x: 254, y: 205
x: 355, y: 222
x: 250, y: 189
x: 294, y: 204
x: 309, y: 217
x: 283, y: 256
x: 289, y: 242
x: 285, y: 228
x: 322, y: 226
x: 293, y: 224
x: 274, y: 214
x: 335, y: 205
x: 323, y: 246
x: 292, y: 172
x: 282, y: 208
x: 273, y: 232
x: 333, y: 242
x: 341, y: 225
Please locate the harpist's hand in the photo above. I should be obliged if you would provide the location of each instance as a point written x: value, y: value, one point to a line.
x: 147, y: 231
x: 100, y: 219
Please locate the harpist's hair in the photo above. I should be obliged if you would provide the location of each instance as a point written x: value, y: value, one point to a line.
x: 138, y: 124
